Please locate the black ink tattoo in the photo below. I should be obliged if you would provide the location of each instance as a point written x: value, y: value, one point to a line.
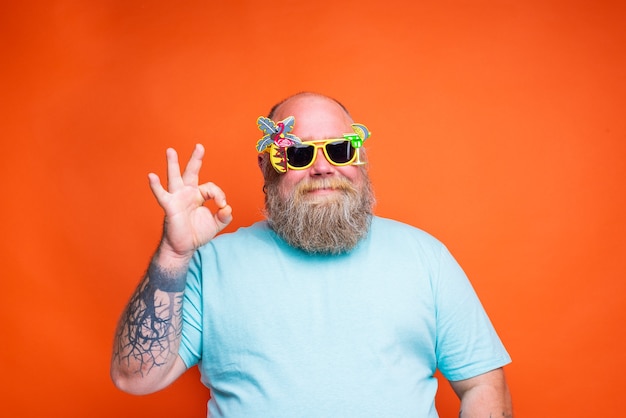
x: 151, y: 323
x: 166, y: 280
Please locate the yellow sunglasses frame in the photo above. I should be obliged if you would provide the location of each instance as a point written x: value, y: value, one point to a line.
x: 278, y: 155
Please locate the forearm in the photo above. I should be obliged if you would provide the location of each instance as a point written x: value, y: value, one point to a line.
x: 149, y: 331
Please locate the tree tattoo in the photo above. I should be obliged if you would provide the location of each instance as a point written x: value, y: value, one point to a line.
x: 151, y: 326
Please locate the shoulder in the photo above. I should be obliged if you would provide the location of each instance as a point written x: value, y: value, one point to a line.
x: 238, y: 247
x: 406, y: 245
x: 258, y: 231
x: 257, y: 239
x: 386, y: 229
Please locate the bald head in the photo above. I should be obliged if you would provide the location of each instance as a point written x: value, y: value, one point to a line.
x: 304, y: 94
x: 316, y: 116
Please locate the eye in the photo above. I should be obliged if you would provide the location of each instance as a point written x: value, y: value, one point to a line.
x: 300, y: 155
x: 340, y: 152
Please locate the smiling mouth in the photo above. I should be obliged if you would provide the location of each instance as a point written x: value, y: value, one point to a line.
x: 323, y: 190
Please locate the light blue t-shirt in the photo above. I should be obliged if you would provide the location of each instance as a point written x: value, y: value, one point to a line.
x: 278, y: 333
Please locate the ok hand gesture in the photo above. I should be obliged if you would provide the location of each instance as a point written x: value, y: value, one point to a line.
x: 188, y: 223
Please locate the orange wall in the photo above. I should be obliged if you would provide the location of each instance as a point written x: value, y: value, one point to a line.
x: 509, y: 117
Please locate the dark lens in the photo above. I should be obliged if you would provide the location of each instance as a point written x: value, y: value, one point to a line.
x: 340, y: 152
x: 299, y: 155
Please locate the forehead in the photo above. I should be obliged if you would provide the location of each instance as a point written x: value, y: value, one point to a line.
x: 316, y: 118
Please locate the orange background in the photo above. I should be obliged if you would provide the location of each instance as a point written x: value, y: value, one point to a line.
x: 509, y: 121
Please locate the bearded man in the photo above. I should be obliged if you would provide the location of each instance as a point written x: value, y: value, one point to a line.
x: 322, y: 310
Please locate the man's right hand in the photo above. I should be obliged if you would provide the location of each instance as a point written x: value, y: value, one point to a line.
x: 188, y: 223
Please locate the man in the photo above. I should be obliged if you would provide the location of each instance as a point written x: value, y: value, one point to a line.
x: 323, y: 310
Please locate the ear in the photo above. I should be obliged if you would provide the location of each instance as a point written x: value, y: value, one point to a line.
x: 261, y: 161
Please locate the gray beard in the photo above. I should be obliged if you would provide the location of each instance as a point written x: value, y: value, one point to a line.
x: 327, y: 225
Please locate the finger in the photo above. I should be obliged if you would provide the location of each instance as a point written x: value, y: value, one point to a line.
x: 223, y: 217
x: 157, y: 189
x: 211, y: 191
x: 174, y: 180
x: 190, y: 176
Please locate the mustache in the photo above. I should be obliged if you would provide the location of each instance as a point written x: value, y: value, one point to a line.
x: 336, y: 183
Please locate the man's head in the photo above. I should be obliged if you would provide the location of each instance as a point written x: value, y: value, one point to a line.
x: 324, y: 208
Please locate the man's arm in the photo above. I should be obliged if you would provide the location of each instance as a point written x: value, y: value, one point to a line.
x: 484, y: 396
x: 145, y: 354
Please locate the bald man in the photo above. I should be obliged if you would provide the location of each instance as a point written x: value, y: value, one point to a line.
x: 321, y: 310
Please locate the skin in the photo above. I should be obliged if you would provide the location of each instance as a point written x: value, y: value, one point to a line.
x: 486, y: 395
x: 145, y: 355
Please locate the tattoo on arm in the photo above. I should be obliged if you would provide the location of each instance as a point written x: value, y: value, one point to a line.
x: 151, y: 326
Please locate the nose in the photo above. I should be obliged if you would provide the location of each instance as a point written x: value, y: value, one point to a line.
x: 321, y: 166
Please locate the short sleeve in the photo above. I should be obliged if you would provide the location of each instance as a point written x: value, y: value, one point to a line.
x: 191, y: 342
x: 467, y: 344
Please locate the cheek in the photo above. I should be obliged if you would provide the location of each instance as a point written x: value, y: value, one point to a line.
x: 289, y: 180
x: 352, y: 172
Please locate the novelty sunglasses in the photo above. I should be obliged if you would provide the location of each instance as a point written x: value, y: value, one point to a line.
x: 287, y: 151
